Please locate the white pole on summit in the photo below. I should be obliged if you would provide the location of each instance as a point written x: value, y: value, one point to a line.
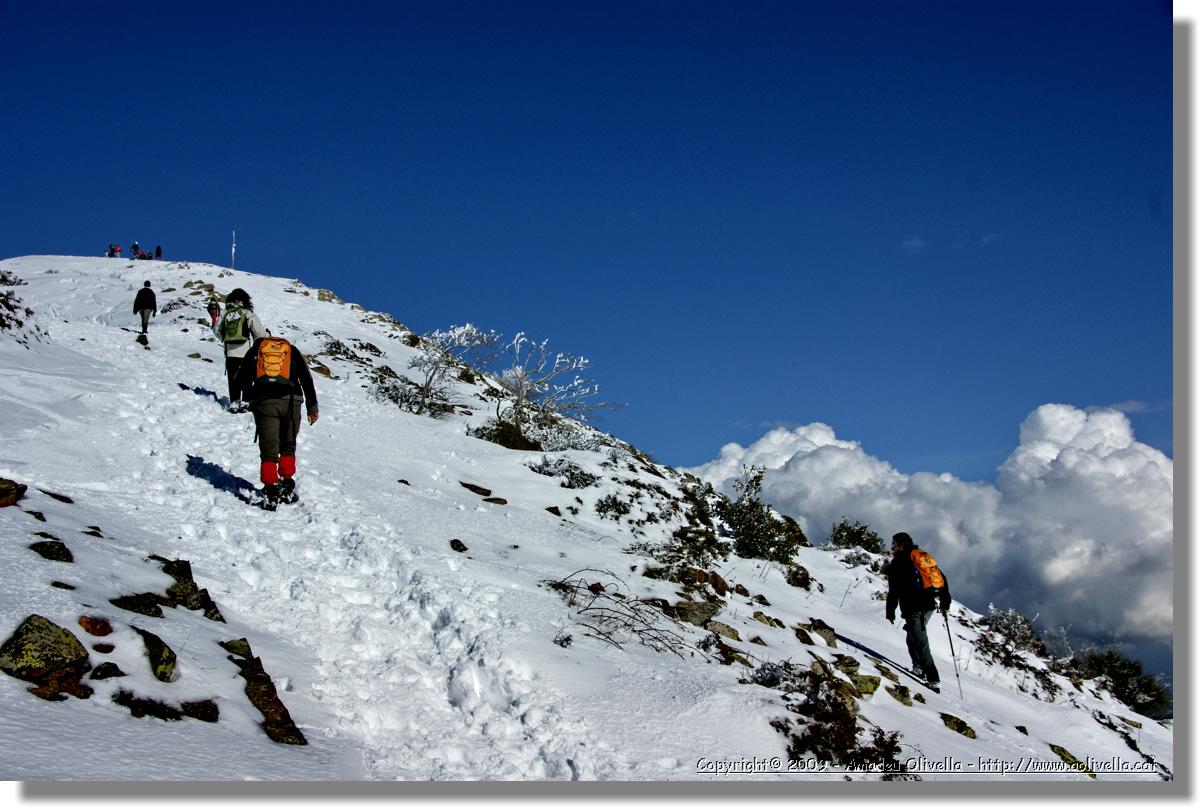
x: 233, y: 252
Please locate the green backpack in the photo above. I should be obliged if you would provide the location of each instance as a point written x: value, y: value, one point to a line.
x: 233, y: 325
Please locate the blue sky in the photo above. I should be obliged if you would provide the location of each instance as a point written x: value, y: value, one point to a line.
x: 916, y: 223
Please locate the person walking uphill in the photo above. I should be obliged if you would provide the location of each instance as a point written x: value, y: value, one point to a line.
x: 237, y: 330
x: 277, y: 382
x: 145, y: 304
x: 917, y: 585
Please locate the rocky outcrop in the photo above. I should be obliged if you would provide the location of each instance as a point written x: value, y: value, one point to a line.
x: 49, y: 655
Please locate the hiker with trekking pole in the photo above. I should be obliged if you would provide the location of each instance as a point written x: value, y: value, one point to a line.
x: 917, y: 585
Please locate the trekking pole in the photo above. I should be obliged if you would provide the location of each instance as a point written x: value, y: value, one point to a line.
x: 953, y: 658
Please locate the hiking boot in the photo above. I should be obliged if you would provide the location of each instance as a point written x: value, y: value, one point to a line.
x: 271, y: 496
x: 287, y: 491
x: 934, y: 686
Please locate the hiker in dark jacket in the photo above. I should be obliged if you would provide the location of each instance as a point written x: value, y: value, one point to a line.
x: 145, y: 304
x: 276, y: 407
x: 917, y: 605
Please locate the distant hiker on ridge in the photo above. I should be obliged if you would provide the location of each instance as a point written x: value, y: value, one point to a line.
x: 919, y: 587
x: 277, y: 382
x: 236, y: 330
x: 214, y: 311
x: 145, y: 304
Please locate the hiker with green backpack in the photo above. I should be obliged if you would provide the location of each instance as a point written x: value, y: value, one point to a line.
x: 917, y: 585
x: 277, y: 382
x: 237, y: 329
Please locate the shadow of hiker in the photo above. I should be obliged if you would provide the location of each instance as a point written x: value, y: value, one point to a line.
x: 203, y: 393
x: 871, y: 652
x: 221, y: 479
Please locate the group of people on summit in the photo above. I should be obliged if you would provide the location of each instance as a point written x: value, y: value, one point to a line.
x: 135, y: 251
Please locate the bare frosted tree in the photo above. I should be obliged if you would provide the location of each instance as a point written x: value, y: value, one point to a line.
x: 443, y: 354
x: 540, y: 381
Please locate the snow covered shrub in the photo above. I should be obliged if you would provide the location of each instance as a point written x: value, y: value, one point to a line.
x: 1009, y: 639
x: 827, y: 724
x: 14, y: 313
x: 757, y: 532
x: 572, y: 475
x: 506, y: 435
x: 694, y: 545
x: 1121, y: 676
x: 612, y: 507
x: 844, y: 534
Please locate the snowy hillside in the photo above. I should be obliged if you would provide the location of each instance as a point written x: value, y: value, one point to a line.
x: 434, y: 608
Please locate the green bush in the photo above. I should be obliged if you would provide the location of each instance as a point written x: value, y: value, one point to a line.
x: 757, y: 532
x: 859, y: 534
x: 1122, y: 676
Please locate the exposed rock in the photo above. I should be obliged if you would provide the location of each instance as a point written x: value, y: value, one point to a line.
x: 141, y: 707
x: 147, y: 603
x: 1022, y: 730
x: 718, y: 584
x: 693, y: 576
x: 741, y: 590
x: 760, y: 600
x: 201, y: 710
x: 10, y: 492
x: 663, y: 606
x: 60, y: 497
x: 476, y: 489
x: 61, y: 585
x: 824, y: 630
x: 457, y: 546
x: 865, y: 682
x: 96, y: 626
x: 496, y: 500
x: 696, y: 612
x: 162, y: 658
x: 901, y: 694
x: 184, y: 592
x: 554, y: 510
x: 766, y: 619
x: 957, y: 724
x: 277, y: 722
x: 717, y: 627
x: 38, y: 515
x: 107, y: 670
x: 1072, y: 761
x: 93, y: 530
x: 886, y: 671
x: 47, y: 654
x: 758, y: 640
x: 103, y: 647
x: 239, y: 647
x: 799, y: 577
x: 803, y: 636
x: 53, y: 551
x: 846, y: 664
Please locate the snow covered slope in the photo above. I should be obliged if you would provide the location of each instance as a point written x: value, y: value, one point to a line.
x: 540, y: 651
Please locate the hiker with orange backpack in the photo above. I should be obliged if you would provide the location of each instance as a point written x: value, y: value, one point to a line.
x: 277, y: 381
x: 917, y: 585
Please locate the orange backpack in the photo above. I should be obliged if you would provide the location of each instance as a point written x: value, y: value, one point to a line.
x: 927, y: 569
x: 274, y: 360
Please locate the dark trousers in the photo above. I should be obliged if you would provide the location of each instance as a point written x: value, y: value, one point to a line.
x: 278, y: 423
x: 232, y: 363
x: 145, y: 318
x: 918, y: 645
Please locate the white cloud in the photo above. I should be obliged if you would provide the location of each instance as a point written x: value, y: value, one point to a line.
x: 1077, y: 528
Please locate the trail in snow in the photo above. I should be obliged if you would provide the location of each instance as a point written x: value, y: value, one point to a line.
x: 414, y: 672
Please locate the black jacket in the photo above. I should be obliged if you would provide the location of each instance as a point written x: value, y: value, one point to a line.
x: 145, y: 300
x: 301, y: 388
x: 904, y: 588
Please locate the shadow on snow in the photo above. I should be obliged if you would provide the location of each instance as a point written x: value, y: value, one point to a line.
x: 221, y: 479
x: 204, y: 393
